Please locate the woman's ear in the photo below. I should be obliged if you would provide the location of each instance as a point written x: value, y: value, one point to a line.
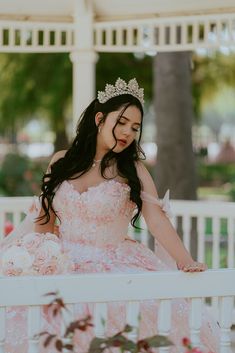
x: 98, y: 118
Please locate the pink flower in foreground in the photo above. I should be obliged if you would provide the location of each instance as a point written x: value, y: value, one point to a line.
x: 16, y: 257
x: 49, y: 268
x: 196, y: 350
x: 31, y: 241
x: 40, y: 259
x: 12, y: 271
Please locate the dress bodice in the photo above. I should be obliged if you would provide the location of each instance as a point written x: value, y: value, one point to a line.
x: 98, y: 216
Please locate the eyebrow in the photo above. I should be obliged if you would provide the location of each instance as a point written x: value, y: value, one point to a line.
x: 122, y: 116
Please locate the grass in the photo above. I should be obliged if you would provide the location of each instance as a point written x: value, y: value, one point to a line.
x: 213, y: 193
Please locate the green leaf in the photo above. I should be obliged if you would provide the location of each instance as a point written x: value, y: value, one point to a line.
x: 128, y: 328
x: 158, y: 341
x: 97, y: 345
x: 103, y: 322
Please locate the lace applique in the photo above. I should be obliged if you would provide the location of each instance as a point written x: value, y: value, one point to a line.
x: 98, y: 216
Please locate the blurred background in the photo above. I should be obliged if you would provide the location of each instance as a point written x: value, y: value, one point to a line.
x: 36, y: 116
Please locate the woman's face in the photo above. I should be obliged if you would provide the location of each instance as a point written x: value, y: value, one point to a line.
x: 126, y: 130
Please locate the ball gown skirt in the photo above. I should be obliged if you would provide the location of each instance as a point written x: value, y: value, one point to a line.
x: 92, y: 239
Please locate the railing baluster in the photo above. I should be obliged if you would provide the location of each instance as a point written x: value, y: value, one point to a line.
x: 173, y: 33
x: 215, y: 255
x: 34, y: 316
x: 195, y: 321
x: 2, y: 329
x: 34, y: 37
x: 2, y: 222
x: 68, y: 316
x: 144, y: 232
x: 132, y: 317
x: 16, y: 218
x: 130, y: 36
x: 109, y: 37
x: 119, y: 36
x: 100, y: 317
x: 216, y: 242
x: 201, y: 239
x: 186, y: 226
x: 164, y: 321
x: 226, y: 309
x: 230, y: 246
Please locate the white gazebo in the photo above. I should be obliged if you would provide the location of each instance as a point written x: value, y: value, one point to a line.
x: 84, y: 28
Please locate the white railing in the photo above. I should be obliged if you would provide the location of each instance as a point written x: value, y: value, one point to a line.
x: 128, y: 288
x: 212, y: 223
x: 165, y: 34
x: 140, y: 35
x: 40, y: 37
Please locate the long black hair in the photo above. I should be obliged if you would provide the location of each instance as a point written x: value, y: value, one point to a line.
x: 79, y: 157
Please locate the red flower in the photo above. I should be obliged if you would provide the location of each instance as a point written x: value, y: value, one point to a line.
x: 8, y: 227
x: 186, y: 341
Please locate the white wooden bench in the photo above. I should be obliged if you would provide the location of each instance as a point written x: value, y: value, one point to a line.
x: 124, y: 287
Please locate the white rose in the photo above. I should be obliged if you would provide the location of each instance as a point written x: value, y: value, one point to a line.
x: 17, y: 257
x: 50, y: 248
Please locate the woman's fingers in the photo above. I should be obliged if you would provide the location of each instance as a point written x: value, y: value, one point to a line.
x: 193, y: 267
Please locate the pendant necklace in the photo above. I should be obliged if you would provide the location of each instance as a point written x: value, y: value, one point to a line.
x: 95, y: 161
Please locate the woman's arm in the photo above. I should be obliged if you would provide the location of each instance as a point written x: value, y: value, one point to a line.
x: 49, y: 226
x: 161, y: 228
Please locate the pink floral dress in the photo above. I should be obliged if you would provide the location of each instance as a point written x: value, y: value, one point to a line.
x: 93, y: 239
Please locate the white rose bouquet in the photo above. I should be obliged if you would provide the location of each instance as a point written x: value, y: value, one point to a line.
x: 34, y: 254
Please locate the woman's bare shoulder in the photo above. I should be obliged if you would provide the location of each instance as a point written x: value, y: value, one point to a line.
x: 56, y: 157
x: 146, y: 179
x: 142, y: 171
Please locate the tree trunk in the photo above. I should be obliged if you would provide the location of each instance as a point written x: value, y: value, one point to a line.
x: 61, y: 139
x: 175, y: 168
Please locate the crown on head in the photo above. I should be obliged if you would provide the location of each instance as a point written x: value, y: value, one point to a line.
x: 121, y: 87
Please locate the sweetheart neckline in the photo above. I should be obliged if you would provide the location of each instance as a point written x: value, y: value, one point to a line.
x: 124, y: 185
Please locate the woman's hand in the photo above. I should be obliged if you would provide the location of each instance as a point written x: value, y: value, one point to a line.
x: 192, y: 266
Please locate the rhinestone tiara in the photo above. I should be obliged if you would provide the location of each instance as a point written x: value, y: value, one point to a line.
x: 121, y: 87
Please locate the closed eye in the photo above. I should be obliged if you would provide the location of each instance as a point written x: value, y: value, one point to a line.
x: 124, y: 123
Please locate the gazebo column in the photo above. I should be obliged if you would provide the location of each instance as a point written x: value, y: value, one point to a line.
x: 83, y: 58
x: 83, y: 80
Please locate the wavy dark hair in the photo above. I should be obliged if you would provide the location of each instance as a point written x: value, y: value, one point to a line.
x: 79, y: 157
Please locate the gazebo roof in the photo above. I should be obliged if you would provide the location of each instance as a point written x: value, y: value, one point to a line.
x: 108, y: 10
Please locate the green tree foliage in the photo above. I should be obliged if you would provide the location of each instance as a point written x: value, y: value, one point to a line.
x: 42, y: 84
x: 32, y: 83
x: 125, y: 65
x: 210, y: 73
x: 20, y: 176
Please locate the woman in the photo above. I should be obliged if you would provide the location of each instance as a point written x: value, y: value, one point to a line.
x: 92, y: 190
